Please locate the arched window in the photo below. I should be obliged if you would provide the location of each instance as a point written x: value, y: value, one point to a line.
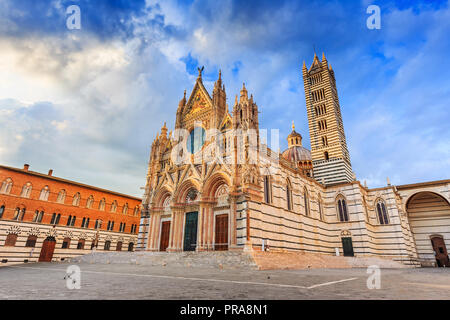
x: 98, y: 224
x: 102, y: 204
x: 114, y: 206
x: 320, y: 207
x: 326, y: 156
x: 45, y: 192
x: 382, y: 212
x: 136, y: 211
x: 289, y: 195
x: 19, y: 214
x: 2, y: 210
x: 61, y: 196
x: 71, y: 221
x: 130, y: 246
x: 76, y: 199
x: 125, y: 208
x: 53, y: 220
x: 26, y: 190
x: 6, y: 186
x: 11, y: 240
x: 107, y: 245
x: 342, y: 209
x: 119, y: 246
x: 85, y: 223
x: 306, y: 198
x: 38, y: 216
x: 31, y: 241
x: 90, y: 202
x: 267, y: 189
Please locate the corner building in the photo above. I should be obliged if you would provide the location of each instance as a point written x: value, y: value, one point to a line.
x: 47, y: 218
x: 298, y: 199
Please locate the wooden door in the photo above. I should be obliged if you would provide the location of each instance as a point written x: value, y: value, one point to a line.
x: 165, y: 232
x: 440, y: 251
x: 190, y: 231
x: 221, y: 242
x: 48, y: 247
x: 347, y: 245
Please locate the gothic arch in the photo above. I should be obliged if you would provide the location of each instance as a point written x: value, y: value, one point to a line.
x: 161, y: 195
x: 181, y: 193
x: 213, y: 183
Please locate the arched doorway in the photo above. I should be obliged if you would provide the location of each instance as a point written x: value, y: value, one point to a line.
x: 428, y: 214
x: 48, y: 247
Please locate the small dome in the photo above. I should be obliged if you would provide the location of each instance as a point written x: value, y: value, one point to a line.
x: 297, y: 153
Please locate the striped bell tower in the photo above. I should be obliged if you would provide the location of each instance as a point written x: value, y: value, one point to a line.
x: 329, y: 153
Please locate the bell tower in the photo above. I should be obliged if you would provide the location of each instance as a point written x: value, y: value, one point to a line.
x: 330, y: 156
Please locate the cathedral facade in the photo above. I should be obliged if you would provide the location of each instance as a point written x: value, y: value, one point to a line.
x: 214, y: 184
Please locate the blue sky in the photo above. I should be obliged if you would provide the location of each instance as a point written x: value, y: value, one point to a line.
x: 88, y: 103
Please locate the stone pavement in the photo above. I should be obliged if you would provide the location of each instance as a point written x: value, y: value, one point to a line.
x: 131, y: 281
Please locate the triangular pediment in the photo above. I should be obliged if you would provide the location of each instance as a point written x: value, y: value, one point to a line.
x: 199, y: 100
x: 226, y: 123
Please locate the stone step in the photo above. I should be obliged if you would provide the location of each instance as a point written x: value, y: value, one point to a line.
x: 225, y: 259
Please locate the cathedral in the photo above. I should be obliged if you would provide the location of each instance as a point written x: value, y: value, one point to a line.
x: 213, y: 183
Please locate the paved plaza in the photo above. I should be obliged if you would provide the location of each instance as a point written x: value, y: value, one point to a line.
x: 127, y: 281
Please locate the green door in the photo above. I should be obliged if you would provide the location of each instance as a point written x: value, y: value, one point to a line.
x: 347, y: 245
x: 190, y: 231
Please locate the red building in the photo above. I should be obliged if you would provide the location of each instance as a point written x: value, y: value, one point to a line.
x: 44, y: 218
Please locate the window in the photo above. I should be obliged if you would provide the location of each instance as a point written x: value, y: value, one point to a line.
x: 85, y: 223
x: 130, y: 246
x: 110, y: 226
x: 125, y: 208
x: 107, y: 245
x: 11, y: 240
x: 26, y: 190
x: 55, y: 218
x: 45, y: 192
x: 80, y: 244
x: 114, y: 206
x: 326, y: 156
x: 31, y: 241
x: 38, y: 216
x: 76, y: 199
x: 19, y: 214
x: 319, y: 203
x: 6, y: 186
x: 71, y: 221
x: 66, y: 243
x: 119, y: 246
x: 342, y: 209
x: 267, y: 190
x: 2, y: 210
x: 133, y: 228
x: 136, y: 211
x: 90, y: 202
x: 289, y: 195
x: 101, y: 205
x: 122, y: 227
x: 382, y: 212
x: 306, y: 199
x: 98, y: 224
x: 61, y: 196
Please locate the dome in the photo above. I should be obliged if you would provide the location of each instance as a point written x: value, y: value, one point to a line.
x: 297, y: 153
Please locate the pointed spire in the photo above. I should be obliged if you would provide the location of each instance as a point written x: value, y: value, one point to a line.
x: 243, y: 91
x: 182, y: 101
x: 331, y: 69
x: 293, y: 125
x: 323, y: 56
x: 304, y: 64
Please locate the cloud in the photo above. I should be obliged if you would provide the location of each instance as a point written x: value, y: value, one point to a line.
x: 89, y: 102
